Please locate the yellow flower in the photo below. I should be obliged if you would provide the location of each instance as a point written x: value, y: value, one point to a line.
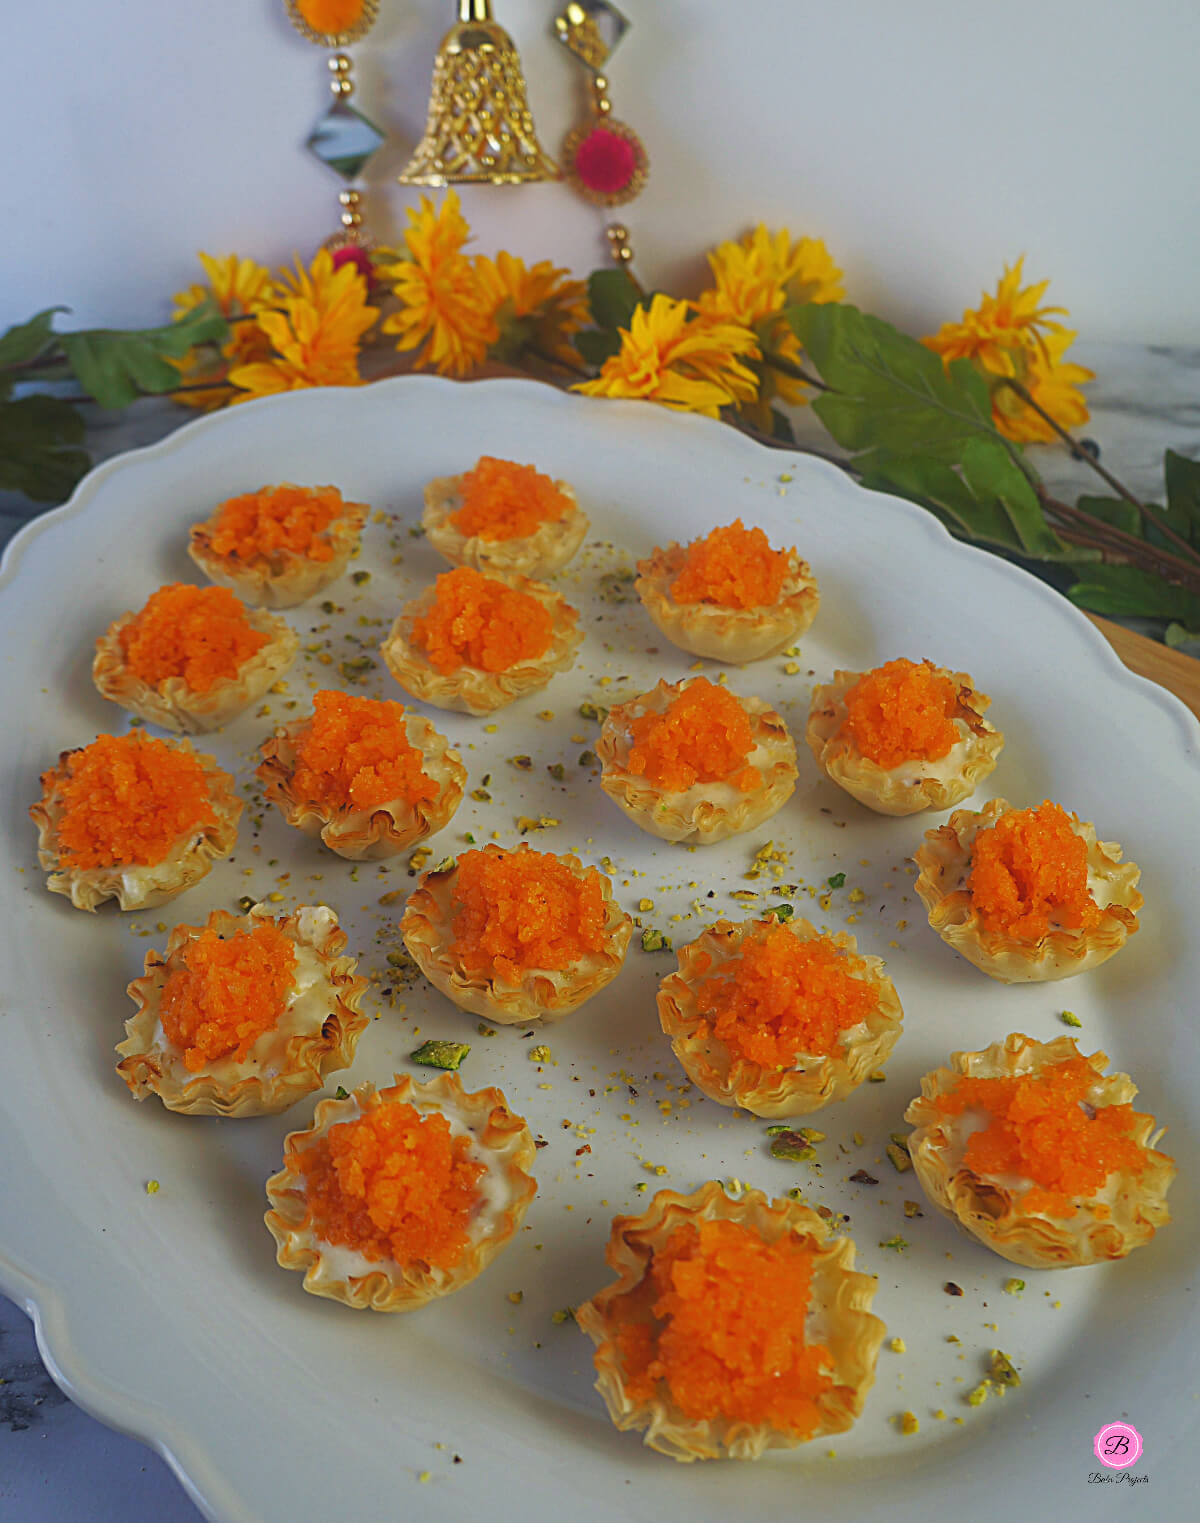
x: 754, y: 280
x: 315, y: 334
x: 537, y: 306
x: 1009, y: 335
x: 443, y: 304
x: 240, y: 288
x: 667, y: 355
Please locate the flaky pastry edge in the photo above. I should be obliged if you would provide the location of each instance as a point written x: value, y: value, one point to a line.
x: 540, y: 554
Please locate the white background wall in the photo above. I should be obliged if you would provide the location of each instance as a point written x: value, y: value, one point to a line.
x: 927, y: 141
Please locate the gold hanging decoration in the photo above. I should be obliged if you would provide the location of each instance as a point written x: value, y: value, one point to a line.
x: 480, y: 130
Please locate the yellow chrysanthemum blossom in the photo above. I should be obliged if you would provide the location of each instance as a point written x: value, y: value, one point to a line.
x: 240, y: 287
x: 670, y: 355
x: 315, y: 333
x: 538, y: 306
x: 1011, y: 335
x: 753, y: 280
x: 443, y: 305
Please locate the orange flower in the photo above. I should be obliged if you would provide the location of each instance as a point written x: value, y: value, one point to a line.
x: 538, y: 306
x: 240, y: 288
x: 1009, y: 335
x: 443, y: 303
x: 668, y: 355
x: 315, y: 336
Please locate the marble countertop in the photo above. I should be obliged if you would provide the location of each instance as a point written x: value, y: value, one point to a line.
x: 56, y: 1462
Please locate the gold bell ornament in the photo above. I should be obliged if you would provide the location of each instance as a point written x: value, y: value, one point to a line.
x: 479, y: 130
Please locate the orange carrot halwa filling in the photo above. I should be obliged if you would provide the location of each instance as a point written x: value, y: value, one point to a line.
x: 501, y: 500
x: 1042, y: 1128
x: 782, y: 996
x: 393, y: 1184
x: 262, y: 524
x: 720, y: 1320
x: 479, y: 621
x: 229, y: 991
x: 703, y: 736
x: 524, y: 909
x: 355, y: 753
x: 126, y: 801
x: 902, y: 711
x: 734, y: 567
x: 1030, y: 871
x: 201, y: 634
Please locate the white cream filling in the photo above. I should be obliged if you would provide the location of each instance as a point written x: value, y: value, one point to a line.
x: 944, y: 769
x: 495, y: 1197
x: 721, y: 794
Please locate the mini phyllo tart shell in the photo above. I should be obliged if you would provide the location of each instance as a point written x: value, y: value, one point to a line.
x: 517, y: 995
x: 365, y: 834
x: 498, y: 1141
x: 944, y: 861
x: 473, y: 689
x: 172, y: 702
x: 811, y: 1081
x: 137, y: 886
x: 1119, y: 1215
x: 911, y: 785
x: 314, y: 1034
x: 281, y: 577
x: 543, y: 552
x: 838, y: 1320
x: 705, y: 812
x: 734, y: 635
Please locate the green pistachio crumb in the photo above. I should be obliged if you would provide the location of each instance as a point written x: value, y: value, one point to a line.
x: 979, y: 1395
x: 781, y: 912
x: 587, y: 758
x: 1069, y: 1018
x: 446, y: 865
x: 557, y: 771
x: 877, y: 1076
x: 593, y: 711
x: 245, y: 904
x: 655, y: 941
x: 563, y: 1314
x: 341, y: 1093
x: 837, y: 880
x: 361, y: 578
x: 485, y: 1030
x: 355, y: 669
x: 482, y: 795
x: 901, y: 1162
x: 898, y: 1243
x: 793, y: 1147
x: 538, y: 1054
x: 447, y: 1055
x: 1013, y: 1287
x: 1001, y: 1370
x: 523, y: 762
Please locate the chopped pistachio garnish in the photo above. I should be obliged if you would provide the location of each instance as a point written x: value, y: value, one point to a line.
x: 1002, y: 1370
x: 593, y: 711
x: 979, y: 1395
x: 1069, y: 1018
x: 481, y: 795
x: 399, y: 960
x: 1013, y: 1287
x: 901, y: 1162
x: 909, y: 1423
x: 557, y: 771
x: 538, y: 1054
x: 341, y: 1093
x: 877, y: 1076
x: 898, y: 1243
x: 837, y: 880
x: 485, y: 1030
x: 564, y: 1314
x: 645, y: 905
x: 245, y: 904
x: 152, y: 1187
x: 781, y: 912
x: 447, y: 1055
x: 516, y: 1297
x: 655, y: 941
x: 523, y: 762
x: 356, y: 668
x: 778, y: 1131
x: 898, y: 1346
x: 913, y: 1208
x: 543, y: 822
x: 793, y: 1147
x: 361, y: 578
x: 588, y: 758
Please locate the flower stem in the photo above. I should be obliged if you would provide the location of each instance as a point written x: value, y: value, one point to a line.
x: 1149, y: 515
x: 797, y: 372
x: 1081, y: 528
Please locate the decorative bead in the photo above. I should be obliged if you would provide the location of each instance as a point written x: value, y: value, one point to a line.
x: 340, y: 64
x: 622, y: 253
x: 349, y: 197
x: 617, y: 232
x: 351, y: 217
x: 342, y: 86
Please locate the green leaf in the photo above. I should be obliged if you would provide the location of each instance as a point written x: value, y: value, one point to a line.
x: 992, y: 474
x: 889, y: 392
x: 1113, y: 510
x: 1128, y: 593
x: 1177, y: 634
x: 936, y: 485
x: 39, y: 454
x: 595, y: 345
x: 26, y: 341
x: 612, y: 297
x: 116, y: 367
x: 1183, y: 495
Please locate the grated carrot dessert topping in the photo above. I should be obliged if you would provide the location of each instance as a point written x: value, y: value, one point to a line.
x: 703, y: 736
x: 126, y: 801
x: 201, y: 634
x: 393, y: 1184
x: 720, y: 1319
x: 229, y: 991
x: 734, y: 567
x: 1042, y: 1128
x: 502, y: 500
x: 782, y: 996
x: 902, y: 711
x: 276, y: 519
x: 1029, y: 871
x: 479, y: 621
x: 355, y: 753
x: 516, y: 910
